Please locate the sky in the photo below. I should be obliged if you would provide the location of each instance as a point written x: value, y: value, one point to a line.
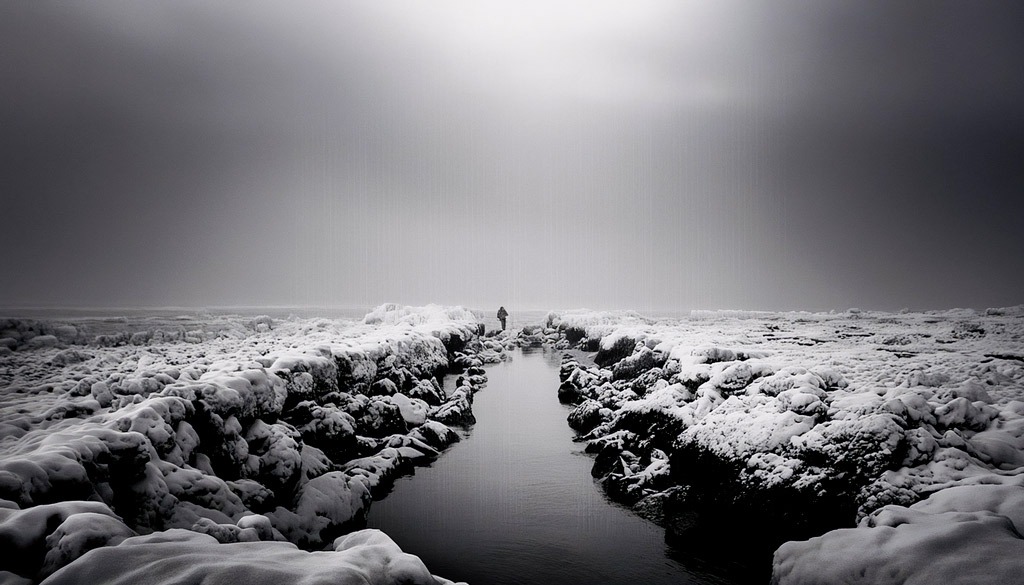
x: 648, y: 155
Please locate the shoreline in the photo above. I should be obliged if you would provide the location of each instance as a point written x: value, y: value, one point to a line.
x: 800, y: 430
x: 242, y: 430
x: 804, y: 426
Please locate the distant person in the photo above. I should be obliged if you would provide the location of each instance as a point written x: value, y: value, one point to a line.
x: 502, y: 315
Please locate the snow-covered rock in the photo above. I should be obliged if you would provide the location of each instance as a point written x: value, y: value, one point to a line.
x: 241, y: 429
x: 961, y: 535
x: 810, y: 422
x: 46, y: 534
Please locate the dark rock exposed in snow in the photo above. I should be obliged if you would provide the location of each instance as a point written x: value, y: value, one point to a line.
x: 795, y: 424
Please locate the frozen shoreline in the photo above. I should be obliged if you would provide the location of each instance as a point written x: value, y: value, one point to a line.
x: 237, y: 430
x: 805, y: 423
x: 899, y: 436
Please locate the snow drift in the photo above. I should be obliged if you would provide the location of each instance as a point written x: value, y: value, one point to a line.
x: 367, y: 557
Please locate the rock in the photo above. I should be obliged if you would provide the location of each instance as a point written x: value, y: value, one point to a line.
x: 435, y: 434
x: 428, y: 391
x: 327, y: 427
x: 456, y: 410
x: 41, y: 341
x: 638, y: 362
x: 383, y: 387
x: 588, y: 415
x: 611, y: 354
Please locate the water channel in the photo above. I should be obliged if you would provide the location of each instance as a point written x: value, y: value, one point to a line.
x: 514, y: 502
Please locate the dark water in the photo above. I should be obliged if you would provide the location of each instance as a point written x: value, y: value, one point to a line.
x: 515, y: 502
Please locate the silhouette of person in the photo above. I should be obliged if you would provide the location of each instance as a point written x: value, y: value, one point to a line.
x: 502, y: 315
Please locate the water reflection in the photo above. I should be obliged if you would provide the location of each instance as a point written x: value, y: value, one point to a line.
x: 515, y: 501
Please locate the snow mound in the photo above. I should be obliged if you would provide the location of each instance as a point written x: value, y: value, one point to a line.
x: 962, y: 535
x: 367, y: 557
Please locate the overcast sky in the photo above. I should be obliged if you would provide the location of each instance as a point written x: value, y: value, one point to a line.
x: 539, y: 154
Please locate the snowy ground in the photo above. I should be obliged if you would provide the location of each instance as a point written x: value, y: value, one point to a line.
x: 888, y: 447
x: 906, y: 428
x: 202, y: 445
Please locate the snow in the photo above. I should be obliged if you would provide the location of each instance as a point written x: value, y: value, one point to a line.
x: 414, y: 411
x: 594, y: 326
x: 961, y: 535
x: 80, y: 533
x: 862, y: 418
x: 222, y: 429
x: 327, y: 502
x: 230, y: 439
x: 51, y: 535
x: 367, y: 557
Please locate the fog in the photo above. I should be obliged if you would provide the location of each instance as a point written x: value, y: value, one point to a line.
x: 646, y: 155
